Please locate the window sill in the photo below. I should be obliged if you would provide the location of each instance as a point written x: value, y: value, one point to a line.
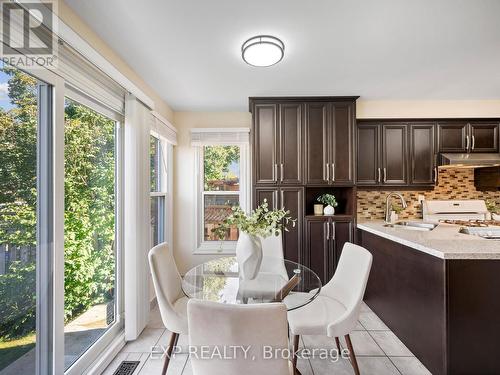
x: 207, y: 248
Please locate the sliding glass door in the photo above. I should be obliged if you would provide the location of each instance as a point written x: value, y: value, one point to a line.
x: 60, y: 258
x: 90, y: 228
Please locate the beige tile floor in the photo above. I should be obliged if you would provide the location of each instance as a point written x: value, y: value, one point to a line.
x: 379, y: 351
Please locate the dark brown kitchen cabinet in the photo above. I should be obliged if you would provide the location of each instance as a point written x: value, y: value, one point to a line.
x: 329, y: 143
x: 290, y: 143
x: 452, y: 136
x: 342, y: 152
x: 423, y: 156
x: 303, y: 147
x: 265, y: 118
x: 484, y: 136
x: 382, y: 154
x: 291, y: 199
x: 394, y: 154
x: 278, y: 143
x: 468, y: 136
x: 325, y: 238
x: 317, y: 136
x: 368, y: 154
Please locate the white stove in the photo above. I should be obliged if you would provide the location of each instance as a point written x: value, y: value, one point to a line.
x: 489, y: 233
x: 471, y: 215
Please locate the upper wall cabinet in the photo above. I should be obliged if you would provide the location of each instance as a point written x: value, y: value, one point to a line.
x: 484, y: 136
x: 468, y: 136
x: 382, y: 150
x: 277, y: 141
x: 317, y: 142
x: 452, y: 136
x: 303, y: 141
x: 265, y: 133
x: 368, y: 149
x: 423, y: 155
x: 329, y: 134
x: 394, y: 154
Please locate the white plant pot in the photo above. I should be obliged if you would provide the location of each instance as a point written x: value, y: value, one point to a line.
x: 248, y: 255
x: 495, y: 217
x: 328, y: 210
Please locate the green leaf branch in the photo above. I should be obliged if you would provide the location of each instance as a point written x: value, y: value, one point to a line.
x: 261, y: 222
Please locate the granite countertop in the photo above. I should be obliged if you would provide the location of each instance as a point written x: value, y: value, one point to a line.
x: 444, y: 241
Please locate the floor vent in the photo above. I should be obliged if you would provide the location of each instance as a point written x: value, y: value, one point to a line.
x: 126, y: 368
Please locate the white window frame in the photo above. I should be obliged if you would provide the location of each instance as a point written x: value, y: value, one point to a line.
x: 91, y: 355
x: 219, y: 247
x: 165, y: 186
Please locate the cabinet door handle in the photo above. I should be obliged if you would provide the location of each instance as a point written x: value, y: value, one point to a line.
x: 435, y: 174
x: 333, y: 231
x: 473, y: 143
x: 327, y: 231
x: 281, y: 172
x: 327, y: 172
x: 385, y: 175
x: 333, y: 172
x: 275, y: 203
x: 282, y: 196
x: 379, y: 175
x: 467, y: 144
x: 275, y: 172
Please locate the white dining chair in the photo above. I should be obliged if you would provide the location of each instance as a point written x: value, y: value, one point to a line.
x: 253, y: 327
x: 335, y: 312
x: 171, y: 301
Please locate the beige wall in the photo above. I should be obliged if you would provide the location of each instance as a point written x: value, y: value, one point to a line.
x: 70, y: 18
x: 185, y: 182
x: 426, y: 108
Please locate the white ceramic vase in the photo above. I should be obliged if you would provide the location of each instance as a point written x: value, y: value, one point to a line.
x: 248, y: 255
x: 328, y: 210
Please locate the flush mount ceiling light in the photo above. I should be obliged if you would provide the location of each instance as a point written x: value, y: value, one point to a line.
x: 263, y: 50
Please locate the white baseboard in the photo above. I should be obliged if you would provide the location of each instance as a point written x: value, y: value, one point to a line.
x: 107, y: 356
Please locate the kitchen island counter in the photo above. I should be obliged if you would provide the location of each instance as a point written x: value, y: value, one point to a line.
x: 444, y: 241
x: 439, y: 293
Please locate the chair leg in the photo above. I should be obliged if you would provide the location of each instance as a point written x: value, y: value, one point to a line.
x: 352, y: 355
x: 338, y: 345
x: 296, y: 339
x: 173, y: 341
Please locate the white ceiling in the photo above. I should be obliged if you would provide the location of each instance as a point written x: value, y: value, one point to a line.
x: 189, y: 51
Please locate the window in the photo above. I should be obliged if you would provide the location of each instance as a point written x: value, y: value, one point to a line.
x: 222, y: 156
x: 19, y: 221
x: 221, y: 188
x: 158, y: 190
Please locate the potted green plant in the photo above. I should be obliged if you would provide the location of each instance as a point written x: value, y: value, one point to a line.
x: 330, y: 202
x: 260, y: 223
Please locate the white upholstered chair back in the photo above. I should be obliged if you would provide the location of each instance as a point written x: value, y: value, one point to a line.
x: 348, y: 284
x: 219, y: 325
x: 167, y: 283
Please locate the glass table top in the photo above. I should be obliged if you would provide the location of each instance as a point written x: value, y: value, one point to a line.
x: 219, y: 281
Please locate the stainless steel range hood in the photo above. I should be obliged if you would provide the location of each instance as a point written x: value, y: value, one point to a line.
x: 470, y: 160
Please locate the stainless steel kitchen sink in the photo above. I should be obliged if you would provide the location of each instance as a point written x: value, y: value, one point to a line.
x: 412, y: 225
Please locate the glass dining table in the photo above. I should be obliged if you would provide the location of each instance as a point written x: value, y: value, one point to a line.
x: 277, y: 280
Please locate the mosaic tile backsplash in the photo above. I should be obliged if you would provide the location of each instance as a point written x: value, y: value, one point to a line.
x: 452, y: 184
